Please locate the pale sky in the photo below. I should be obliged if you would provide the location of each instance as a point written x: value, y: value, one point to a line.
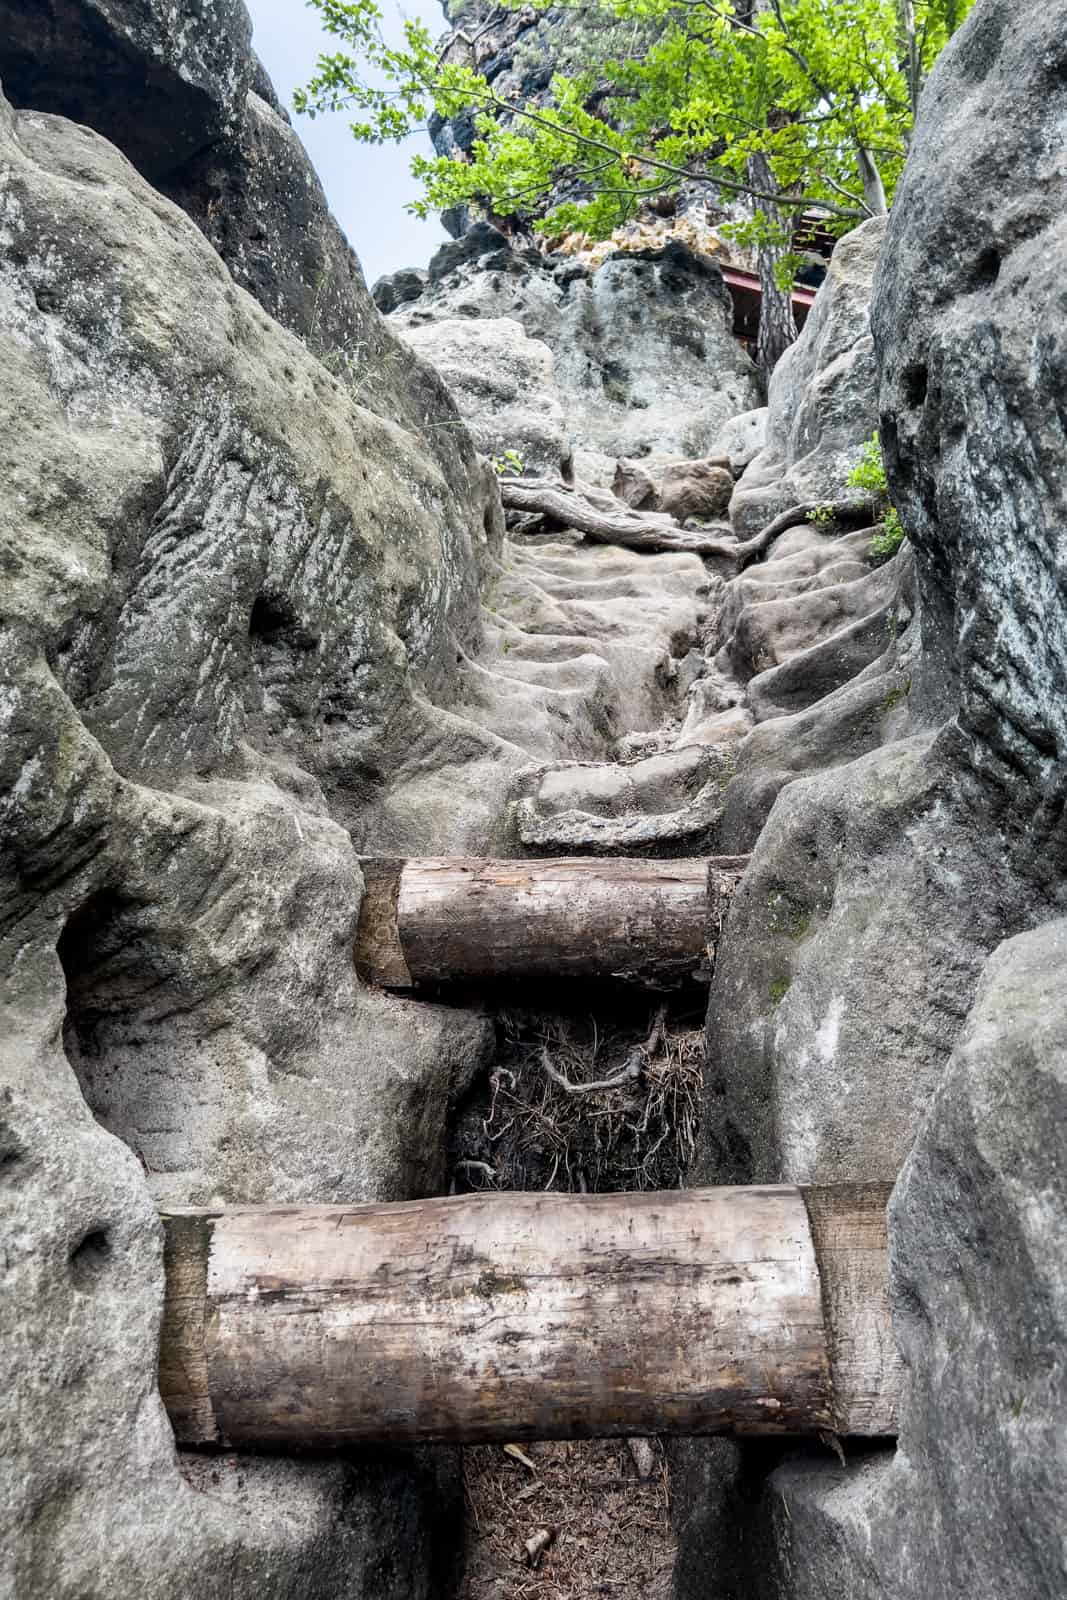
x: 367, y: 185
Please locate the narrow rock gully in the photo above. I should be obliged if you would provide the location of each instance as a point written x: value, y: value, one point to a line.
x: 525, y: 918
x: 592, y: 939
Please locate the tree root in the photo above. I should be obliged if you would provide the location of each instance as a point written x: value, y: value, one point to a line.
x: 630, y: 1070
x: 599, y: 515
x: 860, y: 512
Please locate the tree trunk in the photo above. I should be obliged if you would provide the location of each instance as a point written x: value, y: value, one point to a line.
x: 530, y: 1316
x: 439, y: 919
x: 777, y: 324
x: 873, y: 187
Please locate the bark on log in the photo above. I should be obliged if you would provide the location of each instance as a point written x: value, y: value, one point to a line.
x: 530, y: 1316
x: 447, y: 918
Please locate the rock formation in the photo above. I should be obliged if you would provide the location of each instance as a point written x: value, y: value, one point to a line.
x: 865, y: 976
x: 260, y: 613
x: 823, y: 397
x: 644, y: 355
x: 209, y: 551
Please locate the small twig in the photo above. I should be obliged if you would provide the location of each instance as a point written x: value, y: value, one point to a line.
x: 626, y: 1074
x: 477, y: 1166
x: 516, y: 1454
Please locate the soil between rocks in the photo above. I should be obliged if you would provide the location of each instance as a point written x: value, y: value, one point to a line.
x: 612, y: 1530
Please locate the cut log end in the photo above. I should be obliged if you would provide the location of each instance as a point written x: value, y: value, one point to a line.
x: 183, y: 1368
x: 848, y: 1225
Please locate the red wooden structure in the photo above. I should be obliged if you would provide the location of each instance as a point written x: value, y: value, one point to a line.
x: 744, y: 287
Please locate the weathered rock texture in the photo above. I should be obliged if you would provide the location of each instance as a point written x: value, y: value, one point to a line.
x: 645, y: 358
x: 259, y: 612
x: 178, y: 91
x: 806, y: 657
x: 979, y: 1223
x: 857, y: 958
x: 242, y: 629
x: 504, y: 387
x: 219, y: 571
x: 823, y: 400
x: 160, y: 84
x: 803, y: 665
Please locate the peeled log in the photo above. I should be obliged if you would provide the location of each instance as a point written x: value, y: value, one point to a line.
x: 440, y: 919
x: 530, y: 1316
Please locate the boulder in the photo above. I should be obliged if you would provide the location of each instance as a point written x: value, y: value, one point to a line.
x: 742, y: 439
x: 645, y: 356
x: 504, y: 387
x: 696, y: 490
x: 635, y: 486
x: 398, y: 288
x: 822, y: 404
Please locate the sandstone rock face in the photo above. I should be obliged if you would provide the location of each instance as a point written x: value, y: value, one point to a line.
x: 177, y: 90
x: 644, y: 353
x: 823, y: 402
x: 975, y: 454
x: 504, y: 387
x: 979, y: 1220
x: 217, y: 569
x: 242, y: 628
x: 161, y: 83
x: 856, y: 1012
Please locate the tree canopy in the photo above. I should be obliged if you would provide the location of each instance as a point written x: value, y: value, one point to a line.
x: 795, y: 104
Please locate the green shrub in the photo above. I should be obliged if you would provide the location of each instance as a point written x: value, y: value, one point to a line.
x: 870, y: 473
x: 870, y: 476
x: 889, y: 538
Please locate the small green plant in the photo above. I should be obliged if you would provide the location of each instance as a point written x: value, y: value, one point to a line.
x: 870, y: 473
x: 509, y: 465
x: 870, y: 476
x: 889, y: 538
x: 822, y: 515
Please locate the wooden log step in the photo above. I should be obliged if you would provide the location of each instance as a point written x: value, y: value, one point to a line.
x: 530, y: 1316
x: 439, y: 919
